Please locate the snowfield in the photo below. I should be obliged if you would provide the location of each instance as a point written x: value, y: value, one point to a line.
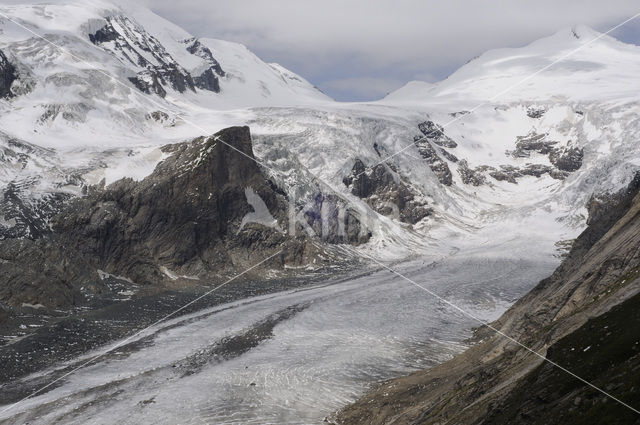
x: 97, y: 125
x: 586, y: 101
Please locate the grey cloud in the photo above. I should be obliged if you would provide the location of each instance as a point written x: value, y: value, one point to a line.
x: 362, y: 87
x: 332, y: 42
x: 336, y: 42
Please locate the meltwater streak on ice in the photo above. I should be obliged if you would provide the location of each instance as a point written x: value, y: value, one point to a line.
x: 292, y: 357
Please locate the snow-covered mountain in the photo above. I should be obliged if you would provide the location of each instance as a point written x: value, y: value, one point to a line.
x: 496, y: 145
x: 574, y: 64
x: 89, y: 66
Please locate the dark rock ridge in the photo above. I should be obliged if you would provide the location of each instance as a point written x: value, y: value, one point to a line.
x: 435, y: 133
x: 23, y: 217
x: 533, y: 142
x: 330, y: 218
x: 385, y: 193
x: 469, y: 175
x: 208, y: 80
x: 584, y: 317
x: 8, y: 75
x: 567, y: 159
x: 511, y: 173
x: 192, y: 201
x: 564, y: 160
x: 605, y: 352
x: 24, y: 212
x: 128, y: 41
x: 438, y: 165
x: 185, y: 220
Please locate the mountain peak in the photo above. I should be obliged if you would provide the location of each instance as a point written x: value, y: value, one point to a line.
x: 575, y: 63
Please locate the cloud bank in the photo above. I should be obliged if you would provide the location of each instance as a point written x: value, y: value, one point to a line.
x: 361, y: 49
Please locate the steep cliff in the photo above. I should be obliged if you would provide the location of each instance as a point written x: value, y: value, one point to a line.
x: 583, y: 317
x: 206, y: 211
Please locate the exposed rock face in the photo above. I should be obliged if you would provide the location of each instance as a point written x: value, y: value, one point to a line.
x: 437, y: 165
x: 330, y: 218
x: 532, y: 142
x: 564, y: 160
x: 187, y: 219
x: 208, y: 79
x: 24, y: 213
x: 130, y: 42
x: 149, y: 82
x: 567, y: 159
x: 505, y: 173
x: 435, y: 133
x: 385, y: 192
x: 584, y: 317
x: 76, y: 112
x: 39, y: 272
x: 535, y: 112
x: 28, y: 219
x: 190, y: 203
x: 470, y: 176
x: 511, y: 173
x: 448, y: 155
x: 605, y: 352
x: 7, y: 76
x: 161, y: 118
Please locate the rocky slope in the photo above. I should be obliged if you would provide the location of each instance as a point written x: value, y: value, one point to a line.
x: 582, y: 317
x: 206, y: 211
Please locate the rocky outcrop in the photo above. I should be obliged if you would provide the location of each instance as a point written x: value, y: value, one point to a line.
x: 25, y: 210
x: 438, y: 165
x: 584, y: 317
x: 533, y: 142
x: 604, y: 351
x: 160, y: 117
x: 24, y: 217
x: 435, y: 133
x: 208, y: 79
x: 385, y: 193
x: 331, y: 218
x: 568, y: 159
x: 206, y: 210
x: 469, y: 175
x: 194, y: 200
x: 536, y: 112
x: 564, y: 160
x: 130, y: 42
x: 8, y: 75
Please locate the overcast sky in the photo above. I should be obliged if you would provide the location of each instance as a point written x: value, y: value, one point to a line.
x: 362, y: 49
